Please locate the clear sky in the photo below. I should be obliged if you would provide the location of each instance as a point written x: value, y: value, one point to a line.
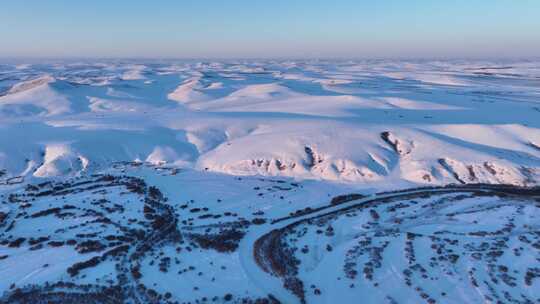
x: 270, y: 28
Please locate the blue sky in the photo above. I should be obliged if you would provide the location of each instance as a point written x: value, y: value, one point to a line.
x: 270, y: 28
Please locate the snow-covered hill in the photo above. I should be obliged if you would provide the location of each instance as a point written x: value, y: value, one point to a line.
x: 231, y: 181
x: 361, y: 122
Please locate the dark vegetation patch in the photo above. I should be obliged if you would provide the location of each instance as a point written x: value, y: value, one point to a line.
x: 340, y: 199
x: 63, y: 292
x: 225, y: 241
x: 135, y: 238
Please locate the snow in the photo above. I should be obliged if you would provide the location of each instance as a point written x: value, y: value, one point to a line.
x: 35, y: 267
x: 259, y: 117
x: 252, y: 146
x: 60, y: 160
x: 134, y: 72
x: 34, y: 97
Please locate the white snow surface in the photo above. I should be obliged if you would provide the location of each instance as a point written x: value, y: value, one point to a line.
x: 478, y: 120
x: 256, y: 147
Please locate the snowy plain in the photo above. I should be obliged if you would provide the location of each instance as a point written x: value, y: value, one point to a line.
x: 247, y: 157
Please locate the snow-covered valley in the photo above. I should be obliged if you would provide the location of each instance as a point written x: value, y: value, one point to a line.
x: 272, y: 181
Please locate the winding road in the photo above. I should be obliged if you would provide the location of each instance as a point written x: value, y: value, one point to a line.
x: 269, y: 280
